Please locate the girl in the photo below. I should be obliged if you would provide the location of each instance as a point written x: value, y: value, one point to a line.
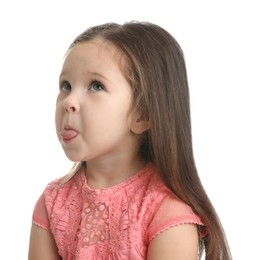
x: 123, y: 117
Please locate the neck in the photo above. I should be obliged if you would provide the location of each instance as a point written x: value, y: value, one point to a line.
x: 109, y: 172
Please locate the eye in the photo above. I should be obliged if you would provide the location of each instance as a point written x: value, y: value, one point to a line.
x: 96, y: 86
x: 65, y: 86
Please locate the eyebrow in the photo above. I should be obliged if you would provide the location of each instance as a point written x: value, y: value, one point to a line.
x: 89, y: 72
x: 63, y: 73
x: 99, y: 75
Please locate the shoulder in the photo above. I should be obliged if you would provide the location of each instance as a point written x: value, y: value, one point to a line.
x: 172, y: 220
x: 57, y: 192
x: 171, y: 212
x: 157, y: 191
x: 166, y: 209
x: 52, y: 195
x: 64, y: 183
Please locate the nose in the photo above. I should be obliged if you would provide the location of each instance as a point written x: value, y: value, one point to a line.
x: 71, y: 104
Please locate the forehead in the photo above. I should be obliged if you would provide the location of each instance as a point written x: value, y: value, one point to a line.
x: 96, y: 57
x: 95, y: 49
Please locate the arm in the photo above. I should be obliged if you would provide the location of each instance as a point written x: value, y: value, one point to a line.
x: 42, y: 245
x: 177, y: 243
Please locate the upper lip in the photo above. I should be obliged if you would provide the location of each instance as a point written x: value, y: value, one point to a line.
x: 68, y: 127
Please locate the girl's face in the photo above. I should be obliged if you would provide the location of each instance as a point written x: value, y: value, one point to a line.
x: 92, y: 110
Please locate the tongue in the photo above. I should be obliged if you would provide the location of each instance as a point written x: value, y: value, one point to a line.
x: 68, y: 134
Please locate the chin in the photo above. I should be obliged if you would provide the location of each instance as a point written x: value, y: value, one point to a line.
x: 73, y: 157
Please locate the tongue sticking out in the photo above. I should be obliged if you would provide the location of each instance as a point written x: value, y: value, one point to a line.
x: 68, y: 134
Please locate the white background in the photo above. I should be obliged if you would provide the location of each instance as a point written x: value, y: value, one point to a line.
x: 221, y: 43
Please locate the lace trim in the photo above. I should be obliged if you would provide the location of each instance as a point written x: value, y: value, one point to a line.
x: 120, y: 186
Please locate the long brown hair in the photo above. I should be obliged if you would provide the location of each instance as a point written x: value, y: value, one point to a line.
x: 157, y: 73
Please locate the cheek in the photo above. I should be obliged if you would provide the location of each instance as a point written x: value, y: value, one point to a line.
x: 106, y: 119
x: 117, y: 112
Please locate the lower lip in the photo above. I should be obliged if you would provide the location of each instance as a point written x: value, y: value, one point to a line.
x: 68, y: 140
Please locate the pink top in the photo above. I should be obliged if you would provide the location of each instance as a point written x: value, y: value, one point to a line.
x: 113, y: 223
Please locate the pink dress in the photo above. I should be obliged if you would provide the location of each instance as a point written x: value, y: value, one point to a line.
x: 112, y: 223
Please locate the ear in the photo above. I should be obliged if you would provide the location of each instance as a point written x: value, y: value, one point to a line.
x: 138, y: 124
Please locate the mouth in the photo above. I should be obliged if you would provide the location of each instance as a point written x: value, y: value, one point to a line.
x: 67, y: 134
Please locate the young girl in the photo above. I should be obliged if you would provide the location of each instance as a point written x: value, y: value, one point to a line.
x: 123, y: 117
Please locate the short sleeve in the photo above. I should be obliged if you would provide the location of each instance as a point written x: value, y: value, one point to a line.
x: 40, y: 216
x: 172, y: 212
